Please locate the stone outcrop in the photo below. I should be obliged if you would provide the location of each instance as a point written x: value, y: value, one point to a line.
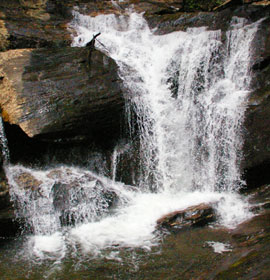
x: 53, y: 93
x: 180, y: 21
x: 198, y: 215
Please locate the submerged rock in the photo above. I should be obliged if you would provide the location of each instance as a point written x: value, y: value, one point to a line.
x: 27, y: 181
x: 199, y: 215
x: 79, y: 201
x: 52, y: 95
x: 69, y: 195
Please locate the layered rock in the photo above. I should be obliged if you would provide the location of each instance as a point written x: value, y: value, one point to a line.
x: 181, y: 21
x: 55, y: 94
x: 34, y: 24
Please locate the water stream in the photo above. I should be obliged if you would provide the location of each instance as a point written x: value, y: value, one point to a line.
x: 188, y: 91
x: 4, y: 143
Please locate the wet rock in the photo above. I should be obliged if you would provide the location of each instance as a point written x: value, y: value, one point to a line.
x: 259, y: 199
x: 180, y: 21
x: 227, y: 4
x: 199, y: 215
x: 56, y: 174
x: 27, y: 181
x: 86, y: 192
x: 4, y: 195
x: 52, y: 95
x: 257, y: 116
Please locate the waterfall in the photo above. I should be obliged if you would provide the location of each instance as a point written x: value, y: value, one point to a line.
x: 188, y: 92
x: 4, y: 143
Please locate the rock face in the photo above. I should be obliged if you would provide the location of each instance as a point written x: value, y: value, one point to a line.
x: 257, y: 121
x: 33, y: 24
x: 52, y: 93
x: 213, y: 20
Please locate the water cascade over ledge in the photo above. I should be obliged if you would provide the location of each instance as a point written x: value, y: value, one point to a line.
x: 188, y: 91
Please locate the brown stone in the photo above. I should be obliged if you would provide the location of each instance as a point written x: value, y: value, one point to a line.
x: 53, y: 92
x: 198, y: 215
x: 27, y: 181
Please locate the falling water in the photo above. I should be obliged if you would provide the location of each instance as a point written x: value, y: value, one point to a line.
x: 4, y: 143
x: 119, y: 149
x: 188, y: 91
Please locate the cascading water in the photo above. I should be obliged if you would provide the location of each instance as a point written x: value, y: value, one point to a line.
x: 188, y: 91
x: 4, y: 143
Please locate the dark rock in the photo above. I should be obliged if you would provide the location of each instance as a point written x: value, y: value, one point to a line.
x: 259, y: 198
x: 257, y: 120
x: 34, y: 24
x: 9, y: 227
x: 180, y: 21
x: 51, y: 94
x: 199, y: 215
x: 228, y: 3
x: 261, y: 65
x: 4, y: 195
x: 67, y: 197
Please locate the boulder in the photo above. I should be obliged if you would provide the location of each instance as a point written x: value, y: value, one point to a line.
x: 198, y: 215
x: 80, y: 198
x: 53, y: 94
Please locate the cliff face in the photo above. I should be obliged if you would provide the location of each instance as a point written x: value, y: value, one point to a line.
x: 55, y: 93
x: 257, y: 145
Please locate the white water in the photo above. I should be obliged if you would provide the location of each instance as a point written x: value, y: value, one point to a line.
x: 4, y: 143
x: 193, y: 140
x: 190, y: 138
x: 219, y: 247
